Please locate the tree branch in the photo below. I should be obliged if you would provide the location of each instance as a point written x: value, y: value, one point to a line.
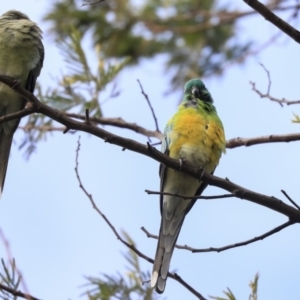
x: 290, y: 199
x: 255, y: 239
x: 237, y: 142
x: 41, y: 128
x: 119, y: 122
x: 150, y: 106
x: 212, y: 249
x: 20, y: 114
x: 267, y: 94
x: 17, y: 293
x: 240, y: 192
x: 130, y: 246
x: 191, y: 197
x: 275, y: 20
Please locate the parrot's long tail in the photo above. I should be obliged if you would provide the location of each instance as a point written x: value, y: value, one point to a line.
x: 171, y: 223
x: 5, y: 144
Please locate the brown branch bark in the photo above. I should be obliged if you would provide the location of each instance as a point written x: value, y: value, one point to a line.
x: 220, y: 249
x: 267, y: 94
x: 290, y: 199
x: 149, y: 104
x: 41, y: 128
x: 20, y: 114
x: 275, y: 20
x: 119, y: 122
x: 17, y: 293
x: 240, y: 192
x: 191, y: 197
x: 237, y: 142
x: 274, y: 99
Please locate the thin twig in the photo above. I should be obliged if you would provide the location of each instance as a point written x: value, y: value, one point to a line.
x: 191, y: 197
x: 269, y: 78
x: 119, y: 122
x: 87, y: 116
x: 43, y: 128
x: 272, y: 138
x: 280, y: 101
x: 274, y: 19
x: 212, y: 249
x: 17, y: 293
x: 267, y: 94
x: 20, y: 114
x: 290, y: 199
x: 258, y: 238
x: 130, y: 246
x: 150, y: 106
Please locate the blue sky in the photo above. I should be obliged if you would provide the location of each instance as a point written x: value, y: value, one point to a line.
x: 56, y: 236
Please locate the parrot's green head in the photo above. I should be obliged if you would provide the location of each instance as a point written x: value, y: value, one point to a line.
x: 14, y: 15
x: 195, y: 88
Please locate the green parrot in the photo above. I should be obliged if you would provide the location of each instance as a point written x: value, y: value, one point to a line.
x: 195, y: 136
x: 21, y: 57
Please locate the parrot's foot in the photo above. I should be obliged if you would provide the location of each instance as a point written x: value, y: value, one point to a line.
x: 15, y: 84
x: 181, y: 162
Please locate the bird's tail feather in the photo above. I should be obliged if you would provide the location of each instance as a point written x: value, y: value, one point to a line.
x: 5, y: 145
x: 164, y: 251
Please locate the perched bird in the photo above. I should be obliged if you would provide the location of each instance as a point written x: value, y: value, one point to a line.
x: 21, y: 57
x: 195, y: 136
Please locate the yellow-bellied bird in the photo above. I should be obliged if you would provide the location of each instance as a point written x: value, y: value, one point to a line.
x: 195, y: 136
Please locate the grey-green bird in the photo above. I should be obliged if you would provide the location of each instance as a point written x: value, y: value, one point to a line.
x: 195, y: 136
x: 21, y: 57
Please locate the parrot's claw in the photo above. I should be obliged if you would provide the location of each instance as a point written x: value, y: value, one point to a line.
x: 181, y: 162
x: 15, y: 84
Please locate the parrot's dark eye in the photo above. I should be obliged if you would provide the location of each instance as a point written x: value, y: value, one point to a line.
x: 195, y: 92
x: 205, y: 97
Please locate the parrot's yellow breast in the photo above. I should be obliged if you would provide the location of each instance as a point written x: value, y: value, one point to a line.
x: 197, y: 137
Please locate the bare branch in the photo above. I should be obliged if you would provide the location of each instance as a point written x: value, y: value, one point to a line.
x: 20, y: 114
x: 41, y: 128
x: 119, y: 122
x: 130, y: 246
x: 17, y: 293
x: 240, y: 192
x: 290, y: 199
x: 237, y: 142
x: 278, y: 100
x: 275, y: 20
x: 212, y: 249
x: 269, y: 78
x: 191, y: 197
x: 87, y: 116
x: 258, y: 238
x: 149, y: 234
x: 267, y: 94
x: 150, y: 106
